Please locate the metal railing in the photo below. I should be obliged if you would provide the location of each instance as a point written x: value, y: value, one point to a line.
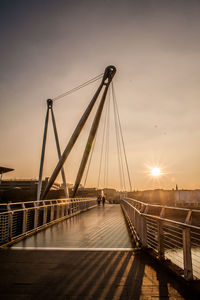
x: 172, y: 233
x: 18, y: 220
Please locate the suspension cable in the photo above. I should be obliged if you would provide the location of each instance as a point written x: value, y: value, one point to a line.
x: 106, y: 162
x: 126, y: 161
x: 78, y: 87
x: 120, y: 162
x: 105, y: 140
x: 102, y: 145
x: 88, y: 167
x: 105, y: 146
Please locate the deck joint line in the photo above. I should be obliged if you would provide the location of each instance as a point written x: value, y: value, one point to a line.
x: 73, y: 249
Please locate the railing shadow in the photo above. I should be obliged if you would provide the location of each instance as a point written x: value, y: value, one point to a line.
x: 109, y: 275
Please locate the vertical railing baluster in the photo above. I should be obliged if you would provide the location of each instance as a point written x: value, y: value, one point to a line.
x: 52, y: 212
x: 144, y: 231
x: 57, y: 210
x: 35, y: 217
x: 40, y: 213
x: 24, y: 221
x: 187, y: 255
x: 24, y: 225
x: 44, y: 214
x: 62, y: 208
x: 160, y: 238
x: 10, y: 222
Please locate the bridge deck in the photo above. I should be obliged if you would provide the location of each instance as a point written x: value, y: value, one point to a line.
x: 62, y: 274
x: 101, y: 227
x: 91, y: 275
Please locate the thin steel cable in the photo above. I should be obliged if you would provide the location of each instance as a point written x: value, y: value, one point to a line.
x: 102, y: 146
x: 104, y: 151
x: 117, y: 143
x: 105, y: 148
x: 122, y: 139
x: 107, y: 145
x: 91, y: 154
x: 120, y: 156
x: 120, y: 150
x: 118, y: 147
x: 77, y: 87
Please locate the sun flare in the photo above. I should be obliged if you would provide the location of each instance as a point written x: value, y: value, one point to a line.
x: 155, y: 171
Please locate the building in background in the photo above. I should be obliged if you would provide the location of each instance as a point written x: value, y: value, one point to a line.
x: 4, y: 170
x: 174, y: 197
x: 157, y: 196
x: 15, y: 190
x: 187, y: 198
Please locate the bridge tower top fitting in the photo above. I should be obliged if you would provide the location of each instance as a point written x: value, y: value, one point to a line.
x: 49, y: 103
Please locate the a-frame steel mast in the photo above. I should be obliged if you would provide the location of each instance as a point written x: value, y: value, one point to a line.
x: 107, y: 78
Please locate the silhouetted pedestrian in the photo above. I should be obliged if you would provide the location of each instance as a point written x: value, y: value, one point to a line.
x: 99, y: 200
x: 103, y: 200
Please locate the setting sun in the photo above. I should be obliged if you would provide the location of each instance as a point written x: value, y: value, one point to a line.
x: 155, y: 172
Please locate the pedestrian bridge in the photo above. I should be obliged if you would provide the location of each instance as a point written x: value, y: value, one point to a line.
x: 101, y: 228
x: 50, y: 250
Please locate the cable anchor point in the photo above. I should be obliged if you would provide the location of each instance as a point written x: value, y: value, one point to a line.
x: 49, y: 103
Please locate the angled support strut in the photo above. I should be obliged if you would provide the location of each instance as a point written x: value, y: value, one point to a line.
x: 93, y: 131
x: 39, y: 187
x: 50, y: 108
x: 107, y: 78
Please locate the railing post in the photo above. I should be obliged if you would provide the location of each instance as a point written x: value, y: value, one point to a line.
x: 135, y: 220
x: 187, y: 255
x: 69, y: 208
x: 144, y: 231
x: 62, y: 211
x: 36, y: 218
x: 79, y: 207
x: 24, y: 226
x: 57, y: 210
x: 44, y: 214
x: 10, y: 222
x: 52, y: 212
x: 160, y: 240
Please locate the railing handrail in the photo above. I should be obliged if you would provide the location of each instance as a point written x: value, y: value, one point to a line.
x: 165, y: 206
x: 42, y: 206
x: 38, y: 203
x: 163, y: 219
x: 168, y: 234
x: 17, y: 223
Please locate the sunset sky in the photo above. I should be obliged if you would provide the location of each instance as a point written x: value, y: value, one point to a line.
x: 48, y: 47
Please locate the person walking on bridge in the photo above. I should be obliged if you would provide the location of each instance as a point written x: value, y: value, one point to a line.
x: 99, y: 200
x: 103, y: 200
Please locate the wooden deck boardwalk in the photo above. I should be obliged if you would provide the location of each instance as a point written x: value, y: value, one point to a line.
x: 45, y: 267
x: 101, y: 227
x: 91, y: 275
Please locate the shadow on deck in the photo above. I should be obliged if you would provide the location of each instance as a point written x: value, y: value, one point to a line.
x: 48, y: 274
x: 44, y: 267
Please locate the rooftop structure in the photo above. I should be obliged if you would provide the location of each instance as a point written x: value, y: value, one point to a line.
x: 25, y: 184
x: 4, y: 170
